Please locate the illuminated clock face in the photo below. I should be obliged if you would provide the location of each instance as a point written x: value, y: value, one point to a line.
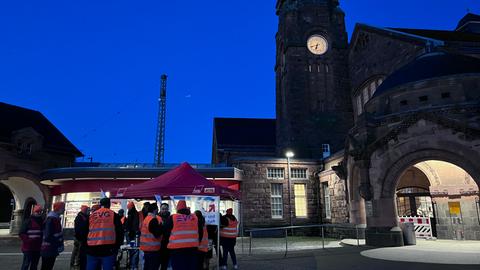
x: 317, y: 44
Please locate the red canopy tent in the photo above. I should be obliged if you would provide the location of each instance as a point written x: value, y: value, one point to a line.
x: 182, y: 180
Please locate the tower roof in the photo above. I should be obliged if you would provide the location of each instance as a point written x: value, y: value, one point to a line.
x: 429, y: 66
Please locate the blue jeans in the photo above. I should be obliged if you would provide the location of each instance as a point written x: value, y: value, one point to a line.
x: 30, y: 260
x: 107, y: 262
x: 133, y: 254
x: 228, y: 246
x: 152, y: 260
x: 184, y: 258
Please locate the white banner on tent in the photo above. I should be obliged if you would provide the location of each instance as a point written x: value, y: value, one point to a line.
x: 208, y: 205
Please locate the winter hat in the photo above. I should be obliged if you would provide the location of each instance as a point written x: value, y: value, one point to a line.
x: 58, y: 205
x: 83, y: 208
x: 181, y: 205
x: 130, y: 205
x: 229, y: 211
x: 37, y: 209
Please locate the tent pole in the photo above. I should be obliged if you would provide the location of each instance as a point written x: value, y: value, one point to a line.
x: 218, y: 234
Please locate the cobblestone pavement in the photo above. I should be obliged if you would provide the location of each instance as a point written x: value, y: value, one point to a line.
x: 342, y: 258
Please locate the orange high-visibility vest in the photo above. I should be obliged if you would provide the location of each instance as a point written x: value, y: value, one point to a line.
x: 101, y: 228
x: 204, y: 243
x: 148, y: 242
x: 184, y: 233
x: 231, y: 230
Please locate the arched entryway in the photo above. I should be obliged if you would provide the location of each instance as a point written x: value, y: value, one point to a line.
x: 453, y: 188
x: 443, y: 192
x: 26, y: 193
x: 7, y: 204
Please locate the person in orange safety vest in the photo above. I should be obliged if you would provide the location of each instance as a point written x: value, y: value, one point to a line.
x: 105, y: 235
x: 151, y: 238
x: 228, y: 238
x: 185, y: 231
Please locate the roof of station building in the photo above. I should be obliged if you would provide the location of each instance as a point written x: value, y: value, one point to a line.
x: 443, y: 35
x: 15, y: 118
x: 429, y: 66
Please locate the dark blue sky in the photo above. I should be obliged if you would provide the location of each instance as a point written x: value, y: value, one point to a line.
x: 93, y: 67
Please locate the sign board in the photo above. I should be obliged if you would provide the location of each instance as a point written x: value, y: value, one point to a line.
x: 208, y: 205
x: 454, y: 208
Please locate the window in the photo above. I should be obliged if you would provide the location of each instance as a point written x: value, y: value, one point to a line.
x: 359, y: 105
x: 276, y: 200
x: 366, y: 92
x: 326, y: 150
x: 326, y: 201
x: 275, y: 173
x: 300, y: 200
x: 299, y: 173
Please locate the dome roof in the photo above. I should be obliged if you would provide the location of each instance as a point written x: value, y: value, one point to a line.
x: 428, y: 66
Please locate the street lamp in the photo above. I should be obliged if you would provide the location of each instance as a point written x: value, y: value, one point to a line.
x: 289, y: 154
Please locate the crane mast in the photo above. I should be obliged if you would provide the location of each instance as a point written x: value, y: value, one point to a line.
x: 160, y: 137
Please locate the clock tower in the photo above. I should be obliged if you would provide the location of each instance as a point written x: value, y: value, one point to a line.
x: 313, y: 105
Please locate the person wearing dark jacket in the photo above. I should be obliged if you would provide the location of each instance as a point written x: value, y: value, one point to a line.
x: 184, y: 232
x: 150, y: 238
x: 52, y: 244
x: 31, y: 236
x: 132, y: 230
x: 164, y: 257
x: 105, y: 236
x: 228, y: 238
x: 79, y: 255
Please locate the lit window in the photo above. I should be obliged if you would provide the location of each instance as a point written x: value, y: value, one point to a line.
x: 277, y: 200
x: 300, y: 200
x: 326, y: 201
x: 299, y: 173
x: 275, y: 173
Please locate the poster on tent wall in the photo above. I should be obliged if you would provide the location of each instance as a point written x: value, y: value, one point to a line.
x: 208, y: 205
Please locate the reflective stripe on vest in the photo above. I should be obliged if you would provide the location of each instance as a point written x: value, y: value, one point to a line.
x: 184, y: 233
x: 101, y: 228
x: 34, y: 231
x: 148, y: 242
x: 204, y: 243
x: 231, y: 230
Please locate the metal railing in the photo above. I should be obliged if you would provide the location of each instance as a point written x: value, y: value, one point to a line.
x: 327, y: 232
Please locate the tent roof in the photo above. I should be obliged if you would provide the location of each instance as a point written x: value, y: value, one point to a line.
x: 182, y: 180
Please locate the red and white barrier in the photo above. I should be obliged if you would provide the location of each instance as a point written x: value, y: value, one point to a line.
x: 422, y: 225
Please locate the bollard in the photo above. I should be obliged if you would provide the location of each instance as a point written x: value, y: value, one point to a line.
x: 286, y: 243
x: 250, y: 246
x: 323, y: 238
x: 356, y: 230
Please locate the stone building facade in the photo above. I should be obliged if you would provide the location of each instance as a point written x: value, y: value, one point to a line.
x: 299, y: 205
x: 29, y: 144
x: 414, y: 104
x: 313, y: 108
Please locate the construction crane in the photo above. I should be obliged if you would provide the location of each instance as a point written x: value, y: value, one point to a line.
x: 159, y: 158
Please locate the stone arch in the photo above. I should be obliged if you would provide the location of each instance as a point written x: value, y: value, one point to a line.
x: 25, y: 188
x: 392, y: 175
